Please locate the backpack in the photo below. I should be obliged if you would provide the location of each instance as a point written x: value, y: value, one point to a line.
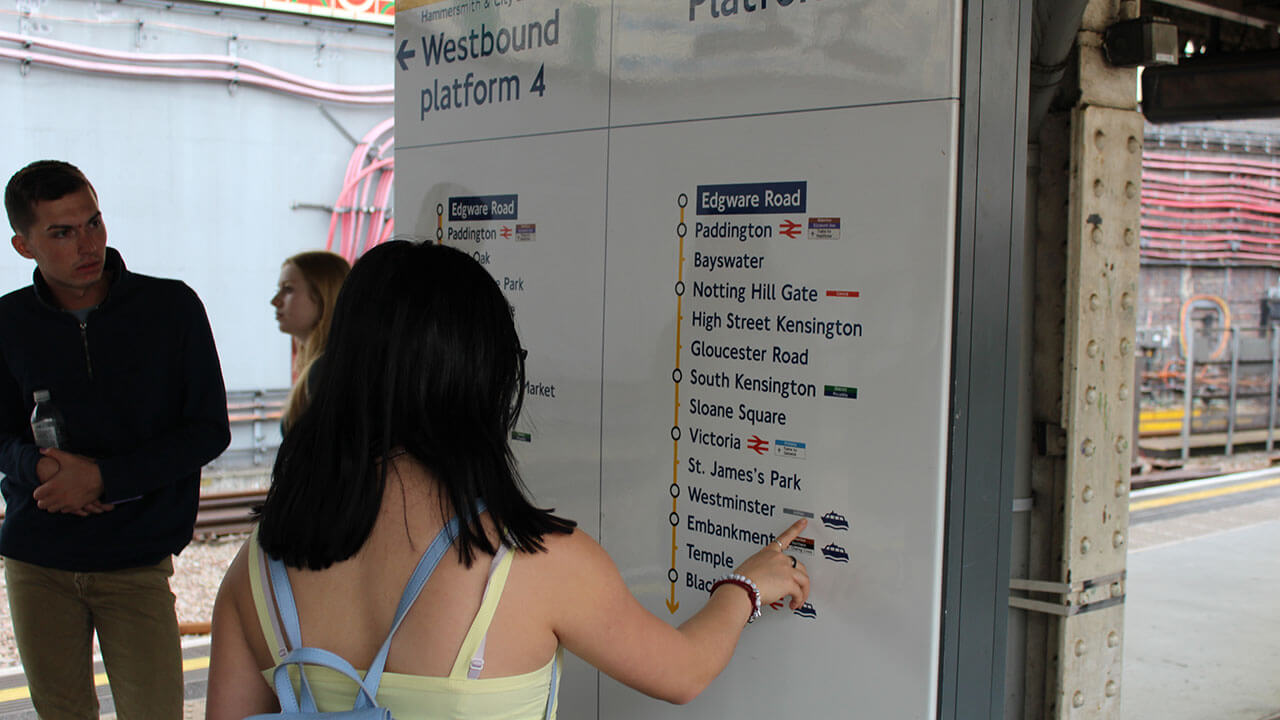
x: 302, y: 706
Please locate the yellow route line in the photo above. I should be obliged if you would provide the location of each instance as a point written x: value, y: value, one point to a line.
x: 673, y: 551
x: 99, y: 679
x: 1202, y: 494
x: 675, y: 422
x: 675, y: 411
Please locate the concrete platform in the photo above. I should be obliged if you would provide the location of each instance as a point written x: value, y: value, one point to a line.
x: 1202, y: 616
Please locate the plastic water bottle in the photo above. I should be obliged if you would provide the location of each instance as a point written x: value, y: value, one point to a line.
x: 47, y: 425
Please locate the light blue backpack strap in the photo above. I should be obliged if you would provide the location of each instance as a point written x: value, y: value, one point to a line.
x: 283, y: 592
x: 426, y: 565
x: 313, y: 656
x: 284, y: 602
x: 366, y: 698
x: 298, y: 655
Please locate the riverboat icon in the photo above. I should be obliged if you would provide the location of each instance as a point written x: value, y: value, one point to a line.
x: 806, y: 611
x: 835, y: 521
x: 835, y: 553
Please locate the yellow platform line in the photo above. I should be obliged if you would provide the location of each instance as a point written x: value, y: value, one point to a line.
x: 1153, y: 426
x: 99, y: 679
x: 1166, y: 414
x: 1203, y: 494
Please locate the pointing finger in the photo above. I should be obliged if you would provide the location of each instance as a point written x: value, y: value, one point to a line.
x: 792, y: 532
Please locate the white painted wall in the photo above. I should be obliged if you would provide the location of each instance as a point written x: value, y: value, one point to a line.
x: 196, y: 179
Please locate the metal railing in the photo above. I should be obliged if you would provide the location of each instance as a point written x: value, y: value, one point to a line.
x: 255, y: 430
x: 1218, y: 381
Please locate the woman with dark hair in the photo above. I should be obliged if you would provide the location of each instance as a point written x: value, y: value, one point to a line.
x: 409, y: 429
x: 304, y: 300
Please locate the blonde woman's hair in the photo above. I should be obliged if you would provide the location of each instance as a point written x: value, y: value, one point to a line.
x: 322, y: 275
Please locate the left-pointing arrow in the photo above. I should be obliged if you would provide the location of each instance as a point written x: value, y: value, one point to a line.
x: 404, y: 53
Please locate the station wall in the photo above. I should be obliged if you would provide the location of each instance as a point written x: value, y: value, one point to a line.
x: 197, y: 179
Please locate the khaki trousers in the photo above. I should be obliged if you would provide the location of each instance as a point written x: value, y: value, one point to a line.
x: 55, y: 613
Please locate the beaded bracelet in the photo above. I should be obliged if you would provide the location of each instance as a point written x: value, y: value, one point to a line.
x: 745, y: 583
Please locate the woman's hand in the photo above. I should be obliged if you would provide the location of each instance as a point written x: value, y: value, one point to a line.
x: 776, y: 574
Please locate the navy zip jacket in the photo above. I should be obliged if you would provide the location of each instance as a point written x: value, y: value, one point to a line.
x: 141, y: 391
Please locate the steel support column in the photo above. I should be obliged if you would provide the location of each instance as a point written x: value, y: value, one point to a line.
x: 1102, y: 289
x: 1086, y: 292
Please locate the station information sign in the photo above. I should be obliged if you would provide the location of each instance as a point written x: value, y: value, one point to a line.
x: 727, y: 228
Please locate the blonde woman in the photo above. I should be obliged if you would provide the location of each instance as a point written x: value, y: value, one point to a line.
x: 304, y: 300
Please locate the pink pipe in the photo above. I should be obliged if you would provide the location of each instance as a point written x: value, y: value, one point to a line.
x: 365, y: 187
x: 378, y: 225
x: 1261, y: 171
x: 339, y: 219
x: 1216, y: 203
x: 241, y: 72
x: 1206, y: 177
x: 1202, y: 195
x: 1232, y: 214
x: 366, y: 170
x: 1188, y: 247
x: 1267, y: 259
x: 379, y: 202
x: 348, y: 249
x: 384, y: 224
x: 1216, y: 247
x: 1202, y: 159
x: 1208, y: 238
x: 235, y: 63
x: 1228, y: 210
x: 344, y: 217
x: 1153, y: 224
x: 358, y: 157
x: 1194, y: 185
x: 190, y: 74
x: 1192, y: 192
x: 389, y: 228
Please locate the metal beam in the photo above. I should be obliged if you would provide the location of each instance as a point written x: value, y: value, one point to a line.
x: 986, y: 367
x: 1213, y: 11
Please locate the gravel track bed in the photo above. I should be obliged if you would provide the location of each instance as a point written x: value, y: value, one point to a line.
x: 196, y: 575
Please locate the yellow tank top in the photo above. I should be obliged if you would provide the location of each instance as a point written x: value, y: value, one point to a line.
x: 413, y: 697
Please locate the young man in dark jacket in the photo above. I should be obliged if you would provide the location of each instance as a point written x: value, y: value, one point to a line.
x: 90, y: 529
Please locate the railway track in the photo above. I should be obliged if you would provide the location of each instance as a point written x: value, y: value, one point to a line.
x: 223, y: 513
x: 226, y: 513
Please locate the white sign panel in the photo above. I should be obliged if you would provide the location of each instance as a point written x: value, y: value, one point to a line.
x: 727, y: 228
